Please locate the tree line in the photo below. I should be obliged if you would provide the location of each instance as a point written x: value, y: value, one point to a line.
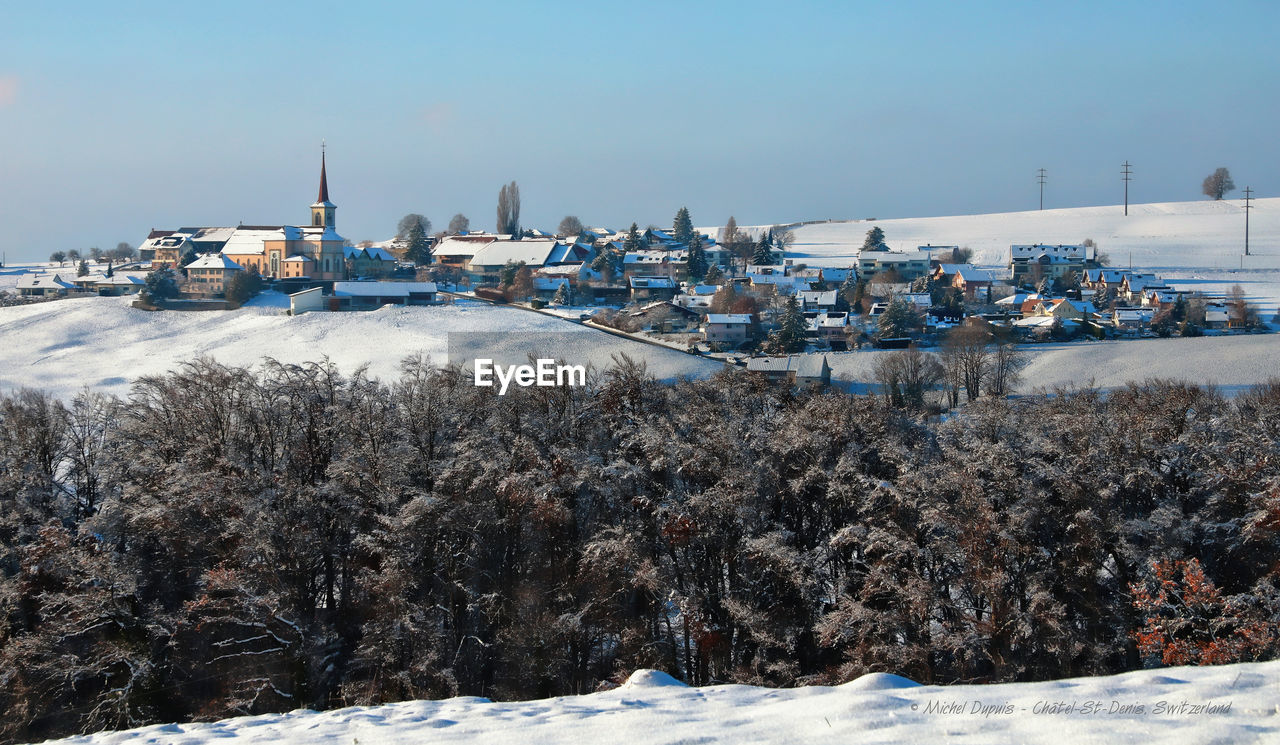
x: 245, y: 540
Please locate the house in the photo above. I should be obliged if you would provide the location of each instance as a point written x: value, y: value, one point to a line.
x: 907, y: 267
x: 118, y: 283
x: 666, y: 317
x: 804, y: 370
x: 165, y: 248
x: 815, y: 300
x: 836, y: 277
x: 456, y: 250
x: 369, y: 295
x: 209, y: 274
x: 545, y: 288
x: 654, y: 263
x: 1134, y: 286
x: 1132, y: 320
x: 973, y: 282
x: 829, y: 327
x: 43, y: 285
x: 726, y: 328
x: 652, y: 288
x: 1031, y: 263
x: 369, y: 261
x: 486, y: 265
x: 1216, y: 316
x: 1074, y: 310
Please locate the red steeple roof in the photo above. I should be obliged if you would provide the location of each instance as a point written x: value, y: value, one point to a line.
x: 324, y: 182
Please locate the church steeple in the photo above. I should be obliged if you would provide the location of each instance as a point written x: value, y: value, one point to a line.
x: 324, y: 180
x: 322, y: 212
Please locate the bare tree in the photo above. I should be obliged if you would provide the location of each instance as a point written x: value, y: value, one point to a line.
x: 966, y: 352
x: 570, y: 226
x: 409, y: 221
x: 1218, y: 183
x: 905, y: 376
x: 459, y: 224
x: 1006, y: 368
x: 509, y: 209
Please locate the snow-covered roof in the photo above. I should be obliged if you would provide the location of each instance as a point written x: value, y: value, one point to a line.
x: 654, y: 257
x: 298, y: 259
x: 693, y: 301
x: 973, y: 274
x: 1055, y: 253
x: 382, y: 289
x: 704, y: 289
x: 214, y: 261
x: 1042, y: 322
x: 457, y: 246
x: 532, y: 251
x: 370, y: 252
x: 653, y: 283
x: 249, y: 240
x: 729, y: 318
x: 1018, y: 298
x: 43, y: 282
x: 815, y: 297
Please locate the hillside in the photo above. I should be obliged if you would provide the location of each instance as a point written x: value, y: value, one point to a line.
x: 1203, y: 234
x: 651, y: 707
x: 65, y: 345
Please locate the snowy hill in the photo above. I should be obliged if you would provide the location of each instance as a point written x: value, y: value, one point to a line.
x: 1204, y: 234
x: 65, y: 345
x: 1228, y: 704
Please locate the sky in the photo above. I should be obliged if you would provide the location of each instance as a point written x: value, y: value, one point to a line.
x: 121, y: 117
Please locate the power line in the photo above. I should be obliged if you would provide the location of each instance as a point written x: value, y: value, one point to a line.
x: 1126, y: 177
x: 1248, y: 197
x: 1042, y: 177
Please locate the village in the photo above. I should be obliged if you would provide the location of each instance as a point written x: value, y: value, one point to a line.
x: 729, y: 293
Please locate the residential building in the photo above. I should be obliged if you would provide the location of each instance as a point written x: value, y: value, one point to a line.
x: 726, y: 328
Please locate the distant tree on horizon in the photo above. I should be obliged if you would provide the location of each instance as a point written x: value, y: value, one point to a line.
x: 409, y: 221
x: 459, y: 223
x: 509, y: 209
x: 570, y: 226
x: 58, y: 256
x: 682, y: 227
x: 1218, y: 183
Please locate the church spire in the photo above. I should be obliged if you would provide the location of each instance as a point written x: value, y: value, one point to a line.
x: 322, y: 211
x: 324, y: 181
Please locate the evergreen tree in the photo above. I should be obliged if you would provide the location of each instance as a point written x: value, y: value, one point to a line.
x: 160, y: 285
x: 632, y: 242
x: 682, y: 228
x: 897, y: 321
x: 111, y: 272
x: 697, y: 257
x: 508, y: 275
x: 562, y: 295
x: 762, y: 255
x: 606, y: 264
x: 790, y: 334
x: 417, y: 245
x: 874, y: 240
x: 83, y: 269
x: 243, y: 286
x: 714, y: 275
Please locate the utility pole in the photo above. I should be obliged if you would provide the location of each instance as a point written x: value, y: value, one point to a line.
x: 1126, y: 176
x: 1041, y: 177
x: 1248, y: 197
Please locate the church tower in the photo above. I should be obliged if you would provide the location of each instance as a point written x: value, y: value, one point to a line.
x: 322, y: 211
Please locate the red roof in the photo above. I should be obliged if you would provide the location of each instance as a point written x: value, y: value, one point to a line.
x: 324, y: 182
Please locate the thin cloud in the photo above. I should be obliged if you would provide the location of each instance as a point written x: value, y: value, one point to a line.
x: 8, y: 89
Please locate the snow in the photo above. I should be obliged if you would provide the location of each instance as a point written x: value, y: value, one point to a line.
x: 1204, y: 234
x: 104, y: 343
x: 652, y: 707
x: 1232, y: 363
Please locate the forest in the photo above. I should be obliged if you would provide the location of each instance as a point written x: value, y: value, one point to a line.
x: 246, y: 540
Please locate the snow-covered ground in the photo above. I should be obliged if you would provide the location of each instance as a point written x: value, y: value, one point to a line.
x: 65, y: 345
x: 1231, y: 363
x: 1204, y: 234
x: 1229, y: 704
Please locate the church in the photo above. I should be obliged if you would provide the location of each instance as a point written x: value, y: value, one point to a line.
x: 313, y: 251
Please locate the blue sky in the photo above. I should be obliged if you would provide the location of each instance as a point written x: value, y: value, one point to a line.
x: 120, y: 117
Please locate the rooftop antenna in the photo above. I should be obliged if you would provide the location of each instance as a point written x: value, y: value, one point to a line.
x: 1248, y: 197
x: 1126, y: 177
x: 1041, y: 177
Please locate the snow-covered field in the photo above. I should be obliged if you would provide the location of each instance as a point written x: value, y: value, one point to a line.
x: 1229, y: 704
x: 1204, y: 234
x: 1231, y: 363
x: 65, y: 345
